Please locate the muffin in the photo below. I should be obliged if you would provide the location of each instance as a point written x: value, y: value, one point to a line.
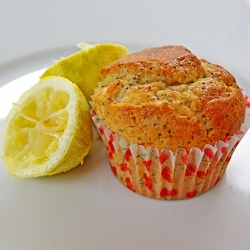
x: 169, y: 121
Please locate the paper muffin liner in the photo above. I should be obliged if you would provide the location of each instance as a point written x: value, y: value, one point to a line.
x: 163, y: 174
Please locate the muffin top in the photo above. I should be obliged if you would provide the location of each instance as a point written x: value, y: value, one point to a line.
x: 168, y: 98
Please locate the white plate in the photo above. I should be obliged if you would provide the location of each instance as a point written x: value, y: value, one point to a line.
x: 87, y: 207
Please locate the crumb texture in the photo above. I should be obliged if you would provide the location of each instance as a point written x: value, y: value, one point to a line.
x: 168, y: 98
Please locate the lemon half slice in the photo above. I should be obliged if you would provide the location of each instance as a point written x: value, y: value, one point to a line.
x: 83, y: 67
x: 48, y: 130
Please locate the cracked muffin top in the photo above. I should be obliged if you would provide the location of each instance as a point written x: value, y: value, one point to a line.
x: 168, y: 98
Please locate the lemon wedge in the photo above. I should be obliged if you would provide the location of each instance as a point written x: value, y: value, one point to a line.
x: 83, y: 67
x: 48, y: 130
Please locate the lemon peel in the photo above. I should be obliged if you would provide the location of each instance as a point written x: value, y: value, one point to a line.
x: 83, y: 67
x: 48, y: 130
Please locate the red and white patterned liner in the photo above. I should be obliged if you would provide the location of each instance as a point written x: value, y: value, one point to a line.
x: 163, y: 174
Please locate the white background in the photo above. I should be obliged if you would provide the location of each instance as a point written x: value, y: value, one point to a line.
x: 87, y: 208
x: 211, y: 28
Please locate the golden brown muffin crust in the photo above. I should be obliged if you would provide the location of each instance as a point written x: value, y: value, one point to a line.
x: 168, y: 98
x: 169, y: 64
